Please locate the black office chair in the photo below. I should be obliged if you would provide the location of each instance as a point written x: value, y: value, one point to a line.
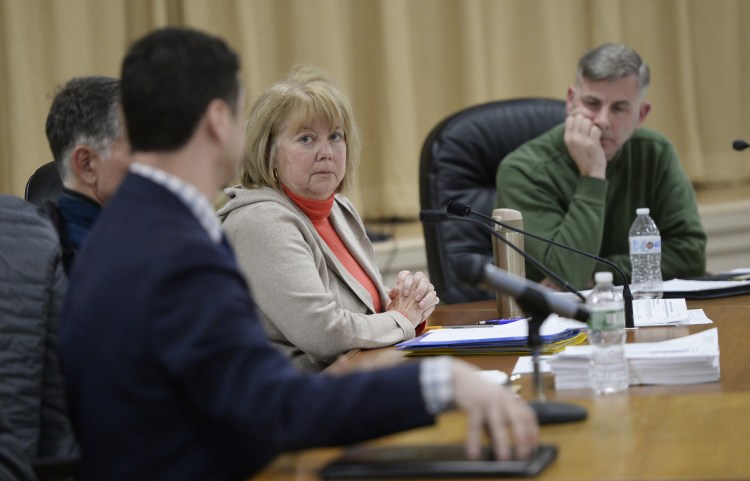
x: 44, y: 183
x: 459, y: 161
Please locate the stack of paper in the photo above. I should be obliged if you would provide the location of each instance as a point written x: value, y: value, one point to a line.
x: 556, y: 333
x: 686, y: 360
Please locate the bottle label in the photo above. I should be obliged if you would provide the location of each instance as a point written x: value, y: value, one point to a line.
x: 650, y: 244
x: 607, y: 319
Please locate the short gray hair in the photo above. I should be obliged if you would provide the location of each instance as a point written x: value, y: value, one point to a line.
x: 613, y: 61
x: 86, y: 110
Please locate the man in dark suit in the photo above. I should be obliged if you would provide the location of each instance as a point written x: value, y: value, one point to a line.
x: 169, y: 373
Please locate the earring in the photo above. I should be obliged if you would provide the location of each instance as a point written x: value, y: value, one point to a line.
x: 275, y: 176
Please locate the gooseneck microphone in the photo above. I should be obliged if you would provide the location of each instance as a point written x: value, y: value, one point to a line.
x: 462, y: 210
x: 430, y: 216
x: 535, y: 300
x: 740, y: 144
x: 539, y: 303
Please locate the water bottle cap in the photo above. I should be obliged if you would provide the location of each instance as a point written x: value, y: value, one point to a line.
x: 643, y: 211
x: 603, y: 277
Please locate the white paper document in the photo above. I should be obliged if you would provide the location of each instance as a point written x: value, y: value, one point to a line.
x: 697, y: 316
x: 686, y: 360
x: 660, y: 312
x: 525, y: 365
x: 652, y: 312
x: 682, y: 285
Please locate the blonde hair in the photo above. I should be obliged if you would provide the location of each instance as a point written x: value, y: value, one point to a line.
x: 303, y: 95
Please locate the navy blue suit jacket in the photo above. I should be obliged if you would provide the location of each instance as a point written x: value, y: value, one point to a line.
x: 168, y: 371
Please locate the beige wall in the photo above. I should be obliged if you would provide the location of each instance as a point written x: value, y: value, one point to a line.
x: 405, y: 64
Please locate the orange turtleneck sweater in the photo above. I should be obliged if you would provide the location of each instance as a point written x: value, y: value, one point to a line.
x: 318, y: 211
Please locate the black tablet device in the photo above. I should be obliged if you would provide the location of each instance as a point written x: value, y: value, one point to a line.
x: 430, y: 461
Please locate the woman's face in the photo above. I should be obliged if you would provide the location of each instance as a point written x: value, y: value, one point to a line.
x: 311, y: 158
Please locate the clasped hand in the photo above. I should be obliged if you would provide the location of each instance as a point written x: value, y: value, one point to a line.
x: 413, y: 296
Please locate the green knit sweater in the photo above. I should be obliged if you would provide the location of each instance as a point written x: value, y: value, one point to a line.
x: 542, y: 181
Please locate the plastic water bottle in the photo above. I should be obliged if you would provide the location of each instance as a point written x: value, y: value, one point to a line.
x: 645, y: 257
x: 609, y: 368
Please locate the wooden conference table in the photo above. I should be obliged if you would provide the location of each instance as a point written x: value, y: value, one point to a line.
x: 693, y: 432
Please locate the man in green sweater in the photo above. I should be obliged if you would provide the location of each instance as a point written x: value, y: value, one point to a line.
x: 581, y: 182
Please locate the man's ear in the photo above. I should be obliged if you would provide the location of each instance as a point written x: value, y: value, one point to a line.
x: 643, y: 111
x: 218, y: 119
x: 82, y: 162
x: 569, y: 98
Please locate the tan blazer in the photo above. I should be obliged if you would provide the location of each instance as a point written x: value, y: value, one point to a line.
x: 311, y: 307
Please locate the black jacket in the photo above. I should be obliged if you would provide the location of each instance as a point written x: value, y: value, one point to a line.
x: 32, y: 287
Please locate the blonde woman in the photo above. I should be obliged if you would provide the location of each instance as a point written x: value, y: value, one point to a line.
x: 301, y: 244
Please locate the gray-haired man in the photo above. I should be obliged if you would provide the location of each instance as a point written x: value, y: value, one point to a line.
x: 580, y: 182
x: 87, y: 137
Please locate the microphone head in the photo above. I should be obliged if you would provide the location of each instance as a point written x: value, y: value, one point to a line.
x: 469, y: 268
x: 430, y: 216
x: 740, y: 145
x: 458, y: 208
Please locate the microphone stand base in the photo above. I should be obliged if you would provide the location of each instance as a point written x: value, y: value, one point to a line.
x: 555, y: 412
